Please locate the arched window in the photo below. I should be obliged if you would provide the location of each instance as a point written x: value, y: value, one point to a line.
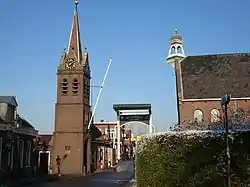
x: 179, y: 50
x: 75, y: 84
x: 215, y: 115
x: 173, y: 50
x: 198, y: 115
x: 64, y: 86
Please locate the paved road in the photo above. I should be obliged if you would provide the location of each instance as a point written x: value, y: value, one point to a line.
x: 118, y: 178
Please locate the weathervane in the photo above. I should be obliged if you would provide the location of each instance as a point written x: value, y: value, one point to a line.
x: 76, y: 3
x: 176, y: 31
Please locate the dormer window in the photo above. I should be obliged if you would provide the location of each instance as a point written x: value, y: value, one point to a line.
x: 3, y: 110
x: 64, y: 86
x: 75, y: 86
x: 10, y: 114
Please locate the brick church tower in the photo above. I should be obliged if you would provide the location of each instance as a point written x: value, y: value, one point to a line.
x: 72, y: 109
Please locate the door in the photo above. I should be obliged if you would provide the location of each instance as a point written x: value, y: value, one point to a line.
x: 44, y: 162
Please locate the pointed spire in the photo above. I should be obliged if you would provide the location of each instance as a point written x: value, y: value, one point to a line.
x: 74, y: 40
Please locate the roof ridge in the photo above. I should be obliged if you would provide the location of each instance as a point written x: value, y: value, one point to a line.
x: 7, y: 96
x: 222, y: 54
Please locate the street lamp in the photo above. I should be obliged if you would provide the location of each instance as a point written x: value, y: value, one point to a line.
x: 225, y: 100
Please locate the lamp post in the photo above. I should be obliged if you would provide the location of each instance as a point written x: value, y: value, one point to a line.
x: 225, y: 100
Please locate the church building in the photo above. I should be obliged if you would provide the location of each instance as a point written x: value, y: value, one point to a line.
x: 202, y: 80
x: 72, y: 109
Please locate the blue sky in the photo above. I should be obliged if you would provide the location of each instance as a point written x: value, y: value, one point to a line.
x: 134, y: 33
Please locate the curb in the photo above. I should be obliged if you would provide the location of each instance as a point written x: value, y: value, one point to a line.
x: 65, y: 177
x: 131, y: 183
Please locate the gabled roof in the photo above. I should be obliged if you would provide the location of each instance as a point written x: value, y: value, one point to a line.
x: 25, y: 124
x: 95, y: 132
x: 212, y: 76
x: 11, y: 100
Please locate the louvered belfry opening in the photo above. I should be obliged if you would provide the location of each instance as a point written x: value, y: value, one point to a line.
x: 75, y: 86
x: 64, y: 86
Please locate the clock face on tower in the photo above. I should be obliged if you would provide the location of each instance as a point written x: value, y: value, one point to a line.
x: 70, y: 64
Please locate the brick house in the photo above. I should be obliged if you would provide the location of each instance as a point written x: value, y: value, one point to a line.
x: 202, y: 80
x: 109, y: 133
x: 106, y: 143
x: 16, y: 139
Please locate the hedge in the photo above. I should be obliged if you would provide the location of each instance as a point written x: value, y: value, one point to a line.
x: 192, y: 158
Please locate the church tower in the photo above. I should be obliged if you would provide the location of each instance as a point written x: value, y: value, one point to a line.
x: 72, y: 109
x: 175, y: 56
x: 176, y: 51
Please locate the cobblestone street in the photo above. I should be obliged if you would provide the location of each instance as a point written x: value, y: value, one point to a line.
x: 117, y: 178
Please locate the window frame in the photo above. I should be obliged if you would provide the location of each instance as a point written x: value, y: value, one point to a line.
x: 111, y: 132
x: 212, y: 117
x: 198, y: 118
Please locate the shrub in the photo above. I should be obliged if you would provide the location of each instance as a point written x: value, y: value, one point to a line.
x: 192, y: 158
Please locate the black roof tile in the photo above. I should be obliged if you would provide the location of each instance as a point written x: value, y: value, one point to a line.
x: 212, y: 76
x: 8, y: 99
x: 26, y: 124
